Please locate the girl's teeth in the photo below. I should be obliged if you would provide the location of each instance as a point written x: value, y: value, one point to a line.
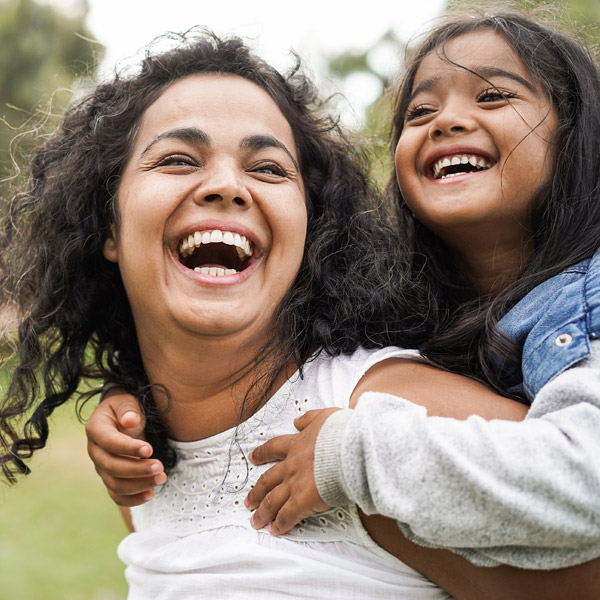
x: 461, y: 159
x: 228, y: 238
x: 206, y: 237
x: 216, y: 236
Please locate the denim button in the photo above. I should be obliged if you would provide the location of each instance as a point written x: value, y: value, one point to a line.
x: 564, y: 339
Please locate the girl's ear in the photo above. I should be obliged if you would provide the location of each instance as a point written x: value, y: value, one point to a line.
x: 110, y: 246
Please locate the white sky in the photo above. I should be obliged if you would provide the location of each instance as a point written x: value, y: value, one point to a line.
x: 312, y: 28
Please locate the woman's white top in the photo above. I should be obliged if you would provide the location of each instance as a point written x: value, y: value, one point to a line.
x: 194, y: 539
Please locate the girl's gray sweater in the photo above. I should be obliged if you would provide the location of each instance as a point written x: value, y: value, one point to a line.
x: 520, y: 493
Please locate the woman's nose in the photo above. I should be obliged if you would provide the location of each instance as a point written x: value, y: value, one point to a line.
x: 222, y: 185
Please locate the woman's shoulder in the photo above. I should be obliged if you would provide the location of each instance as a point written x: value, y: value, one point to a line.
x: 332, y: 379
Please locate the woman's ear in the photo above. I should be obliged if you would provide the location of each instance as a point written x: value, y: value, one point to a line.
x: 110, y: 246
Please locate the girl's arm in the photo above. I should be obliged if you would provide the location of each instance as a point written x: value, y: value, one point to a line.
x: 465, y: 581
x: 449, y: 492
x: 526, y: 494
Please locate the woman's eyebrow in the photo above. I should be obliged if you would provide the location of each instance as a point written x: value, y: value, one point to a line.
x: 191, y: 135
x: 258, y: 142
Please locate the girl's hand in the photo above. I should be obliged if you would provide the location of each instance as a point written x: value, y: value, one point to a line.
x: 287, y: 493
x: 116, y: 447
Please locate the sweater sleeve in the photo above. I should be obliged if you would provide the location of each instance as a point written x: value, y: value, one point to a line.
x: 497, y: 492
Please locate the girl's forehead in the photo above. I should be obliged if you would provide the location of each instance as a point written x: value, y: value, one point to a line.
x: 478, y: 51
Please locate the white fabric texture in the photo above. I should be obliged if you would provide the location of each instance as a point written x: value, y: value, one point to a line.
x: 194, y: 540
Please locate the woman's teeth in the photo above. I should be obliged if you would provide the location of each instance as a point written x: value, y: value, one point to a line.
x: 216, y: 236
x: 451, y: 166
x: 215, y: 271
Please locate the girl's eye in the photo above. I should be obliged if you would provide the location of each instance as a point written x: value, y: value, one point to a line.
x: 418, y: 111
x: 269, y: 168
x: 494, y: 95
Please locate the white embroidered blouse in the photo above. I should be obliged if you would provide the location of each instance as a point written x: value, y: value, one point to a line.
x: 194, y: 539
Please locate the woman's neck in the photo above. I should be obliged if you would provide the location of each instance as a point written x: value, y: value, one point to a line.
x: 209, y: 382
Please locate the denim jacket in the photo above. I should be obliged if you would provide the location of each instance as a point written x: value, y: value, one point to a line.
x: 554, y: 324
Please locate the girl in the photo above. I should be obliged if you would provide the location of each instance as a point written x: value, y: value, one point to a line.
x: 189, y: 234
x: 496, y: 127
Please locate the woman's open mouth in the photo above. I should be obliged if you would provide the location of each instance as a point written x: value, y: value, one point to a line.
x: 215, y: 252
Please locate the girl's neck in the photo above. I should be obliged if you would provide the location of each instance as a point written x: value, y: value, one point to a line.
x: 491, y: 264
x: 208, y: 383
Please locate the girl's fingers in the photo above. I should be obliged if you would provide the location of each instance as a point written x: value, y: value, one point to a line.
x: 269, y: 507
x: 133, y: 499
x: 307, y: 418
x: 272, y: 450
x: 119, y: 487
x: 264, y: 497
x: 102, y: 430
x: 289, y: 516
x: 123, y: 466
x: 114, y: 442
x: 266, y: 482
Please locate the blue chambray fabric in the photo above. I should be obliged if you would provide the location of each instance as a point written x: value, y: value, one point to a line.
x: 554, y: 324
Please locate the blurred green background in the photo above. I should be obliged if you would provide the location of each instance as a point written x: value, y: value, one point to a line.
x: 58, y: 528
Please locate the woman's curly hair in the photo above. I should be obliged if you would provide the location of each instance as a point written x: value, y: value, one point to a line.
x: 75, y: 320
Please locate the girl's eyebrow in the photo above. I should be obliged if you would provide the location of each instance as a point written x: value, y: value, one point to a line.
x: 195, y: 136
x: 484, y: 72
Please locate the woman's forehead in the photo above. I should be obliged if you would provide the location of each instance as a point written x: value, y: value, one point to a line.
x: 218, y: 105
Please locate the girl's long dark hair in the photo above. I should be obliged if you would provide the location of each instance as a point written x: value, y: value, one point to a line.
x: 565, y: 213
x: 75, y: 321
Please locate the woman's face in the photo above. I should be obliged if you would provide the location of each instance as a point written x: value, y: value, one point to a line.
x: 212, y: 215
x: 476, y: 143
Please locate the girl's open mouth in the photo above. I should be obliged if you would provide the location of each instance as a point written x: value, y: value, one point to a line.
x: 458, y: 164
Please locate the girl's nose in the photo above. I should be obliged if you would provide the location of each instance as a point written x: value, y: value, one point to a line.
x: 451, y: 121
x: 439, y: 131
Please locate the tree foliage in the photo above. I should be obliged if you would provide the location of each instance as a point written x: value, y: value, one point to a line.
x: 42, y: 52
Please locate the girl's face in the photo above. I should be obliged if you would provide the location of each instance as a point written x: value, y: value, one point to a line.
x: 476, y: 143
x: 212, y: 211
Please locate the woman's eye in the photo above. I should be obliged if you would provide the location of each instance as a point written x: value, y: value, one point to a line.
x: 417, y: 111
x: 176, y: 160
x: 494, y: 95
x: 269, y: 169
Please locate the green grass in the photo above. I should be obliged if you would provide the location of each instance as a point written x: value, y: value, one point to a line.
x: 59, y: 530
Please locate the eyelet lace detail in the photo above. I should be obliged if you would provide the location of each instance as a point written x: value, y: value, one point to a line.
x: 207, y: 488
